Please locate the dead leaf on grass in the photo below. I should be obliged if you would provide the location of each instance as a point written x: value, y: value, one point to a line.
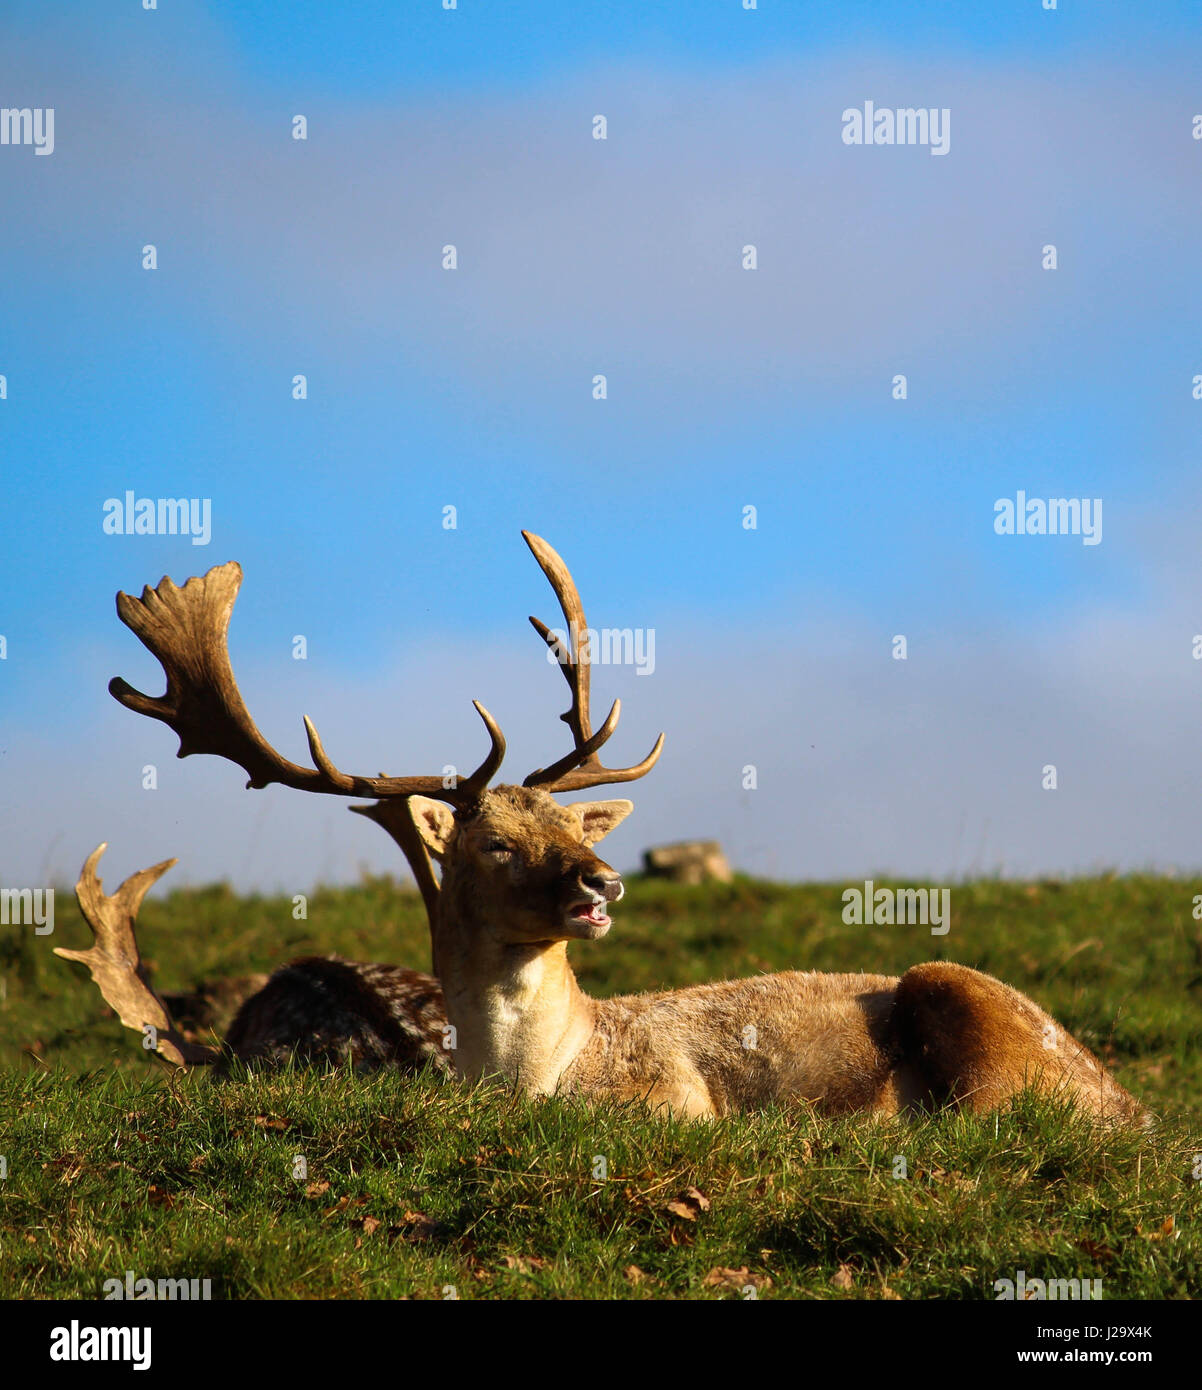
x: 735, y: 1279
x: 689, y: 1205
x: 1165, y: 1231
x: 416, y: 1225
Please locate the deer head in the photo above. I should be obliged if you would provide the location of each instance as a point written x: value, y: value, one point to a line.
x: 523, y: 864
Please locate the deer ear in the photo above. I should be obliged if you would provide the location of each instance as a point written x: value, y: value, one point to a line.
x: 435, y: 824
x: 598, y: 818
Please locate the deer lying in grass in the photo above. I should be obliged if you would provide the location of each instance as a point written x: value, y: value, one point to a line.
x: 520, y: 879
x: 310, y: 1012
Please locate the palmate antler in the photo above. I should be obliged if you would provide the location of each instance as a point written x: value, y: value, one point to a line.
x: 116, y: 965
x: 187, y: 628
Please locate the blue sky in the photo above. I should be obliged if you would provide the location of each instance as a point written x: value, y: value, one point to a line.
x: 472, y: 388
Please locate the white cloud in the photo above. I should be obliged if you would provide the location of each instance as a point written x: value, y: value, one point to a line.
x: 628, y: 251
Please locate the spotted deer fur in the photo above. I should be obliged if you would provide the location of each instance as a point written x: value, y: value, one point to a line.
x: 327, y: 1011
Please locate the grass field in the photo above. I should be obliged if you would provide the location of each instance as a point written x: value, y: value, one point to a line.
x: 420, y: 1187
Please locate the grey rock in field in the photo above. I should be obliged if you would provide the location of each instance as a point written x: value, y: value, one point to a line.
x: 689, y: 861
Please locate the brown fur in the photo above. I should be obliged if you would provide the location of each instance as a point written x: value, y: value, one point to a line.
x: 941, y: 1034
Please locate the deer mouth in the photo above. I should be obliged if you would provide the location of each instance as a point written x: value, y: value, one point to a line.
x: 591, y: 915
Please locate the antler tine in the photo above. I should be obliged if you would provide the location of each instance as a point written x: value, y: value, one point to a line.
x: 469, y: 788
x: 581, y: 768
x: 115, y: 964
x: 581, y: 754
x: 187, y: 630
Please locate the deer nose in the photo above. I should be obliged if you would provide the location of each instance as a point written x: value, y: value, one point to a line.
x: 607, y: 882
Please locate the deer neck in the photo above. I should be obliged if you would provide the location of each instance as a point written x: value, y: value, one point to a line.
x: 517, y: 1010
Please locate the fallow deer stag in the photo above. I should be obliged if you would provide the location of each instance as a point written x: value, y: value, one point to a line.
x: 520, y: 879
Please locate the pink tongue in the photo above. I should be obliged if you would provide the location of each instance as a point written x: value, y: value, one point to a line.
x: 593, y: 912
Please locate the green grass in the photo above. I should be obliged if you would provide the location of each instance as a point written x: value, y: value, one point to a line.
x: 417, y: 1185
